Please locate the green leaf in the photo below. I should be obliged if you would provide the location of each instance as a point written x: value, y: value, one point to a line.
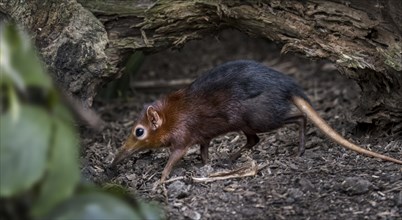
x: 19, y: 61
x: 13, y: 102
x: 23, y: 149
x: 146, y: 211
x: 63, y: 171
x: 149, y: 211
x: 94, y: 206
x: 116, y: 190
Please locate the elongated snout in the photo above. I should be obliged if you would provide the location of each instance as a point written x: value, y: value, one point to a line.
x: 121, y: 155
x: 129, y: 147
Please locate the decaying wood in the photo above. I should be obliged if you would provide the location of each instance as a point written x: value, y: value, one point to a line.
x: 70, y: 39
x: 161, y: 84
x: 362, y: 37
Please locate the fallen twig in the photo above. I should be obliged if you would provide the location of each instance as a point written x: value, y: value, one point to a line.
x: 174, y: 179
x: 238, y: 173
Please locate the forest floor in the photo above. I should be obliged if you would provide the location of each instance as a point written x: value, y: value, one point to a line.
x: 327, y: 182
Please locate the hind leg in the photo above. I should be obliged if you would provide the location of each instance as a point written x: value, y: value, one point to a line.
x: 204, y: 152
x: 301, y: 121
x: 252, y: 139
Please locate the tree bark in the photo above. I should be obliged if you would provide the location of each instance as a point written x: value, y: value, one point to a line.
x: 70, y: 39
x: 87, y: 46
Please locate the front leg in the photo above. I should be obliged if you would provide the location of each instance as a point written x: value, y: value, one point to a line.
x: 176, y: 153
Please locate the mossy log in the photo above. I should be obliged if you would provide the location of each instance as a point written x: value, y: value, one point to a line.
x: 86, y: 43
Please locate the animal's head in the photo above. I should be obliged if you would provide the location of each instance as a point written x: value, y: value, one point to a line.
x: 145, y: 134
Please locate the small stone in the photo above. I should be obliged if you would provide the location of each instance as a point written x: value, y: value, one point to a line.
x: 191, y: 214
x: 306, y: 185
x: 293, y: 166
x: 293, y: 195
x: 177, y: 188
x: 223, y: 197
x: 205, y: 170
x: 355, y: 186
x: 131, y: 177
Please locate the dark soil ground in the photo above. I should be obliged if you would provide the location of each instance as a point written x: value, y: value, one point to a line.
x: 328, y: 182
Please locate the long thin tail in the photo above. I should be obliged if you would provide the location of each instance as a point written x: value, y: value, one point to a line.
x: 307, y: 109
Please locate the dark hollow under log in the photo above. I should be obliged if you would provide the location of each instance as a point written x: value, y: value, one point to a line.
x: 87, y: 45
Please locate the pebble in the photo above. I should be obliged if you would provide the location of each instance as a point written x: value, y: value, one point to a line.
x: 306, y: 185
x: 205, y: 170
x: 355, y: 185
x: 131, y: 177
x: 178, y: 189
x: 191, y: 214
x: 293, y: 194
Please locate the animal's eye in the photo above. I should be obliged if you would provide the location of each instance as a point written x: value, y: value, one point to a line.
x: 139, y: 132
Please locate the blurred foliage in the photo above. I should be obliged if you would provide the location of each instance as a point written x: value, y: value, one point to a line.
x: 39, y: 146
x: 119, y: 87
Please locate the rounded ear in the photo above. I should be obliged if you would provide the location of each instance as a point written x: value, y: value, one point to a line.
x: 154, y: 117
